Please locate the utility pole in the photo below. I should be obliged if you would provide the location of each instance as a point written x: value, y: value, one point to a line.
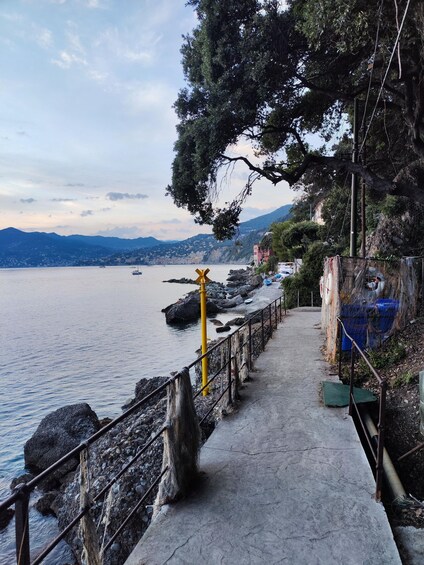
x: 363, y: 203
x: 354, y: 191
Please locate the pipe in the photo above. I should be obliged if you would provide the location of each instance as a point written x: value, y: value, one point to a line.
x: 395, y: 486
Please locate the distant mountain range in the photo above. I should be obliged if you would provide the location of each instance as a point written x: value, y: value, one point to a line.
x: 38, y: 249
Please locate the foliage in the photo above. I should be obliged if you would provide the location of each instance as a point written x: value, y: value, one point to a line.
x: 261, y: 74
x: 404, y: 379
x: 391, y: 353
x: 306, y: 281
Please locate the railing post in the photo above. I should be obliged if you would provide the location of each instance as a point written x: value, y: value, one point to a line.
x: 275, y: 314
x: 230, y: 399
x: 340, y: 336
x: 250, y: 345
x: 312, y: 298
x: 22, y: 527
x: 263, y: 329
x: 298, y: 298
x: 380, y: 441
x: 270, y: 320
x: 352, y: 375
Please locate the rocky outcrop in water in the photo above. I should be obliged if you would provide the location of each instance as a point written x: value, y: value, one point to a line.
x: 241, y: 283
x: 188, y: 309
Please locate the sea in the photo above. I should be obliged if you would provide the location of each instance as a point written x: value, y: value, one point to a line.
x: 83, y: 334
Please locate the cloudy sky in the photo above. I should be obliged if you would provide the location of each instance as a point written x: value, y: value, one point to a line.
x: 86, y: 120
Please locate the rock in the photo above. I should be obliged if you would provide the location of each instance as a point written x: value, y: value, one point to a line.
x: 44, y: 504
x: 255, y: 316
x: 108, y: 456
x: 243, y: 290
x: 256, y: 281
x: 145, y: 387
x: 236, y: 322
x: 188, y: 309
x: 183, y: 280
x: 57, y: 434
x: 5, y: 517
x: 231, y: 302
x: 222, y: 329
x: 212, y: 307
x: 25, y: 478
x: 185, y: 310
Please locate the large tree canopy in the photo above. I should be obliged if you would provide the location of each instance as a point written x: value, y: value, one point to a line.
x: 257, y: 71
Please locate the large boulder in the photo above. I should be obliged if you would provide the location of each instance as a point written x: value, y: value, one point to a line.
x: 188, y: 309
x: 57, y: 434
x: 185, y: 310
x: 231, y: 302
x: 255, y: 281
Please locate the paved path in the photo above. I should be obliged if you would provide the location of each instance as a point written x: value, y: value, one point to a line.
x: 285, y: 479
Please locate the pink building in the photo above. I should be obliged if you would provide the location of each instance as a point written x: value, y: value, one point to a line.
x: 261, y: 254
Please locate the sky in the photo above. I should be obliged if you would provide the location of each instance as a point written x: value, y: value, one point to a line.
x: 87, y: 126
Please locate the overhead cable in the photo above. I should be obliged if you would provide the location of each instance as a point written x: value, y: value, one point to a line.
x: 385, y: 76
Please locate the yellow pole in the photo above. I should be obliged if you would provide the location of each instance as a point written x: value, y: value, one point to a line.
x: 202, y: 279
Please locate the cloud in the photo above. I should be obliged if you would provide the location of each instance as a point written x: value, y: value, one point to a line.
x: 124, y: 196
x: 121, y: 231
x: 44, y: 38
x: 75, y: 42
x: 22, y: 133
x: 98, y: 76
x: 129, y: 47
x: 173, y: 221
x: 143, y: 97
x: 74, y: 184
x: 62, y: 200
x: 86, y: 213
x: 67, y: 60
x: 105, y: 209
x: 27, y: 200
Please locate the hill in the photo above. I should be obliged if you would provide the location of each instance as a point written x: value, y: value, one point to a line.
x: 116, y: 243
x: 38, y: 249
x: 263, y: 222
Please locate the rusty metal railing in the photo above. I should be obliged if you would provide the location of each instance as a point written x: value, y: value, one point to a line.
x: 252, y: 335
x: 377, y: 451
x: 257, y: 331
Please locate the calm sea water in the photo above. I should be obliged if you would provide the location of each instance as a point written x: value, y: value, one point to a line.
x: 71, y: 335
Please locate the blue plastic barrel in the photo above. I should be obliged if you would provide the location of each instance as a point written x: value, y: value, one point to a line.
x: 387, y: 310
x: 355, y: 320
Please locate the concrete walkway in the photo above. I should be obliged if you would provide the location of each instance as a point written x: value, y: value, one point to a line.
x: 285, y: 479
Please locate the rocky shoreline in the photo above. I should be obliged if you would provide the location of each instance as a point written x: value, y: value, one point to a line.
x: 68, y: 427
x: 241, y: 284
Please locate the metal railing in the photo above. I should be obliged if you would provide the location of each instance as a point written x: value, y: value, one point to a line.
x: 251, y: 337
x: 376, y: 448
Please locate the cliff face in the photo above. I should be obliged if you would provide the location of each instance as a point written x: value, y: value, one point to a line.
x: 398, y: 235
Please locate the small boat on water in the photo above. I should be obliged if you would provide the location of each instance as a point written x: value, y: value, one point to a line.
x: 137, y: 272
x: 267, y: 282
x: 248, y: 300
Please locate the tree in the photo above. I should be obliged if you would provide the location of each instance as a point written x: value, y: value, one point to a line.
x: 274, y: 76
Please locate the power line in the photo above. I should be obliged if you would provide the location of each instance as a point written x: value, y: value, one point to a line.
x: 385, y: 76
x: 377, y: 34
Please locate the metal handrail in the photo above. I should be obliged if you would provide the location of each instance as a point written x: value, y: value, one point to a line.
x: 266, y: 332
x: 378, y: 451
x: 22, y: 492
